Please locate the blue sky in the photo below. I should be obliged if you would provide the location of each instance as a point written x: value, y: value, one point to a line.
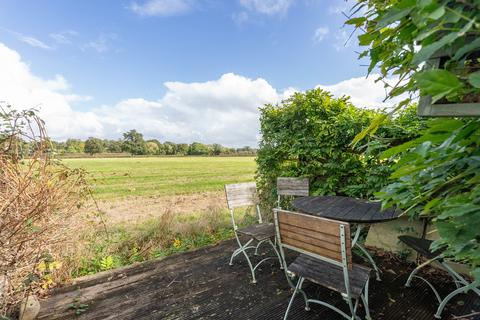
x: 117, y: 57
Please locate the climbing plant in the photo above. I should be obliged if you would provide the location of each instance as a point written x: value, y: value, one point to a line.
x: 437, y: 175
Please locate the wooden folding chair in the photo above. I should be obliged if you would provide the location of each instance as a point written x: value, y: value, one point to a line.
x: 295, y: 187
x: 325, y: 259
x: 422, y: 246
x: 243, y: 195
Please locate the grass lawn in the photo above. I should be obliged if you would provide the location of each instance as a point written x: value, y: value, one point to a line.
x: 113, y: 178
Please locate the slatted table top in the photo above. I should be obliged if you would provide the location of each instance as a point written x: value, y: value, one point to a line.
x: 345, y: 209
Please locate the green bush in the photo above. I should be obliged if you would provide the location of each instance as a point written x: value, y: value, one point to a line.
x: 310, y: 135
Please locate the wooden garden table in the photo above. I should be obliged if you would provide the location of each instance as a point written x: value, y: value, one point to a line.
x: 354, y: 211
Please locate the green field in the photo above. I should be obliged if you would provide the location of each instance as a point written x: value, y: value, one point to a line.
x: 113, y: 178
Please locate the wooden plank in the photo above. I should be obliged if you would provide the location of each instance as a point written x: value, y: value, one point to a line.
x: 241, y: 194
x: 334, y: 255
x: 310, y: 223
x: 292, y: 186
x: 310, y: 233
x: 334, y: 247
x: 297, y: 230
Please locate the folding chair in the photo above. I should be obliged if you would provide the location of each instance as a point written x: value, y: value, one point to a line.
x: 298, y: 187
x: 422, y: 246
x: 242, y: 195
x: 325, y: 259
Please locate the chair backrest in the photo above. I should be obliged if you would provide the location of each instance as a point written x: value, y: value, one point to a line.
x: 292, y: 187
x: 242, y: 195
x: 325, y: 239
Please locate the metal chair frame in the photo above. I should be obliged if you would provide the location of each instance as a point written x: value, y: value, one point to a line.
x: 463, y: 286
x: 344, y: 264
x: 243, y: 247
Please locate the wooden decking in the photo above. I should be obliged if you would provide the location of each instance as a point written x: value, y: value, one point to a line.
x: 201, y: 285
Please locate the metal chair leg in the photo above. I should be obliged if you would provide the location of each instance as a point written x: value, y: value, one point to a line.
x: 444, y: 302
x: 364, y: 298
x: 277, y: 253
x: 372, y: 262
x: 414, y: 272
x: 258, y: 245
x: 240, y: 249
x: 307, y: 305
x: 299, y: 283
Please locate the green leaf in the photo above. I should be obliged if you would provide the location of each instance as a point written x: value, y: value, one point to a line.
x: 437, y: 83
x: 427, y: 51
x: 467, y: 48
x: 356, y: 21
x: 474, y: 79
x: 401, y: 10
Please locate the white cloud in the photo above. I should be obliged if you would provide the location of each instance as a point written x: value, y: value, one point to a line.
x: 224, y: 110
x: 22, y: 89
x: 364, y: 92
x: 161, y: 7
x: 34, y: 42
x: 320, y: 34
x: 102, y: 44
x: 64, y: 37
x: 268, y: 7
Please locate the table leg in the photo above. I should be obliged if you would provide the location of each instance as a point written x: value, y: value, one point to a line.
x: 365, y: 251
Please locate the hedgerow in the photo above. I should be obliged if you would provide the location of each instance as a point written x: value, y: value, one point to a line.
x: 310, y: 135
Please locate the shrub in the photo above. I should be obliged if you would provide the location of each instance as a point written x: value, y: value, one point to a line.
x: 37, y: 195
x: 310, y: 135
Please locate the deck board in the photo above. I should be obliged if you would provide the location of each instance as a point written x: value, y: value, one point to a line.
x: 201, y: 285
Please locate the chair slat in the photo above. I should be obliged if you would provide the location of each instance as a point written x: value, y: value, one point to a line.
x: 314, y: 234
x: 292, y: 186
x: 241, y: 194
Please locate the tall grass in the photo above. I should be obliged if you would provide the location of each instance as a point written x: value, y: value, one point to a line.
x: 104, y: 247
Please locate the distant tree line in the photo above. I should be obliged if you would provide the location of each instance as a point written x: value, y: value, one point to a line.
x: 134, y: 143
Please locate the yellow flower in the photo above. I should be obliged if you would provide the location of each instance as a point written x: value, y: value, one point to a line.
x: 42, y: 266
x: 177, y: 243
x: 55, y: 265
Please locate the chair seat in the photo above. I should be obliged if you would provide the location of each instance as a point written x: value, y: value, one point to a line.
x: 260, y: 231
x: 420, y: 245
x: 329, y: 275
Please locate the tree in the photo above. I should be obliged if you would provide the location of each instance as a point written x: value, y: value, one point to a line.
x: 182, y: 149
x: 151, y: 147
x: 75, y: 146
x: 94, y: 145
x: 114, y: 146
x: 197, y: 149
x: 170, y: 148
x: 133, y: 143
x: 217, y: 149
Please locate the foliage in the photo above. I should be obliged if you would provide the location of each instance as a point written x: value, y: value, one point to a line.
x: 198, y: 148
x: 94, y: 145
x: 439, y: 178
x: 151, y: 147
x: 310, y: 135
x: 437, y: 174
x: 133, y: 142
x: 37, y: 196
x: 401, y: 35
